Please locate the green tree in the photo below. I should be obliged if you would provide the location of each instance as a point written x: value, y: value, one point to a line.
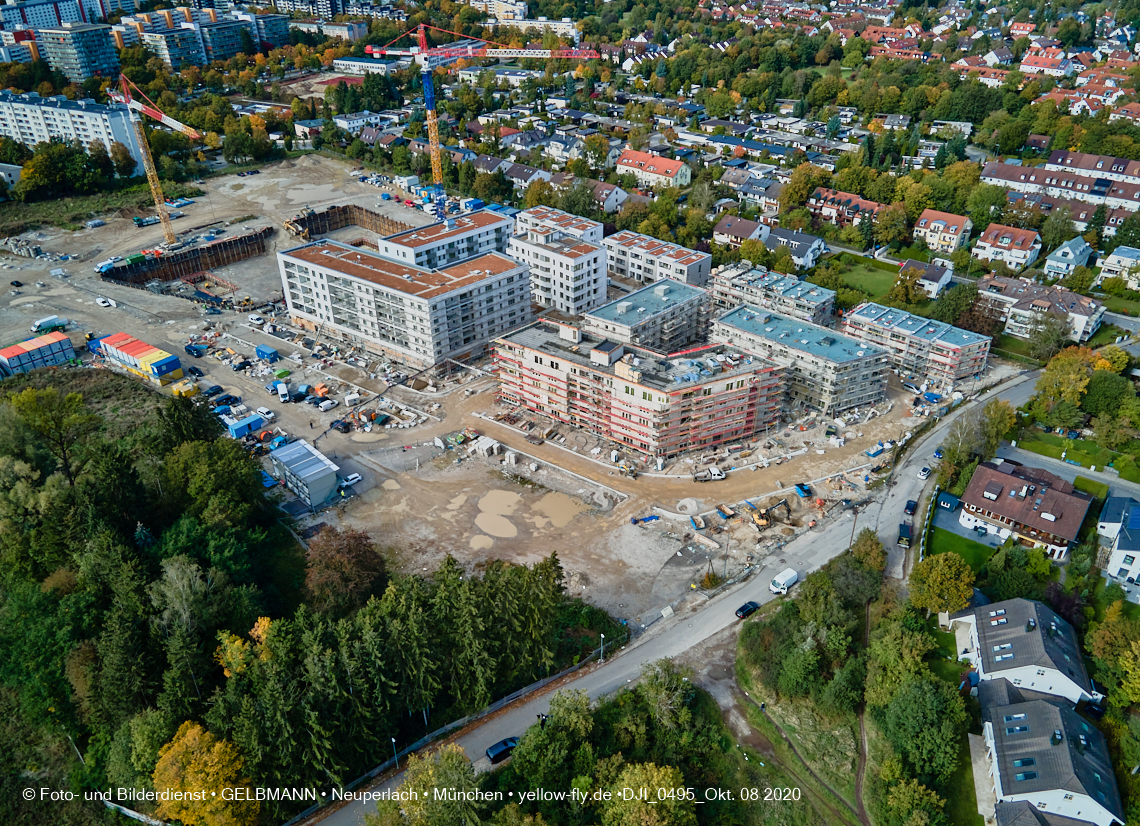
x: 891, y: 225
x: 907, y: 288
x: 674, y: 810
x: 445, y: 769
x: 943, y: 582
x: 1106, y: 393
x: 925, y: 722
x: 869, y: 551
x: 1057, y: 229
x: 62, y: 421
x: 998, y: 418
x: 895, y: 659
x: 1047, y: 334
x: 954, y: 303
x: 545, y: 755
x: 986, y: 204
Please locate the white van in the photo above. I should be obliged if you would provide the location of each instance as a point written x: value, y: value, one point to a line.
x: 353, y: 399
x: 326, y: 405
x: 283, y: 392
x: 784, y: 581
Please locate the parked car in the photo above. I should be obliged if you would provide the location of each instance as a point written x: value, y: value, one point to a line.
x: 502, y: 750
x: 105, y: 302
x: 213, y: 311
x: 911, y: 507
x: 924, y: 474
x: 296, y: 397
x: 981, y: 530
x: 746, y: 609
x: 16, y: 283
x: 266, y: 413
x: 938, y: 454
x: 313, y: 400
x: 212, y: 391
x: 327, y: 404
x: 228, y: 398
x: 351, y: 480
x: 195, y: 372
x: 256, y: 319
x: 241, y: 365
x: 341, y: 425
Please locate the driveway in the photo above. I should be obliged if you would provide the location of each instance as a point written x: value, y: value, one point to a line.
x: 949, y: 522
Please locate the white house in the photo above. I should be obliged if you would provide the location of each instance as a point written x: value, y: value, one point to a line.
x: 1027, y: 643
x: 1016, y: 247
x: 806, y: 249
x: 1120, y: 521
x: 1123, y: 262
x: 1072, y: 254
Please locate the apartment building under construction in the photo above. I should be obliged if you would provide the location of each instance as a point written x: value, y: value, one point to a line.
x: 658, y: 406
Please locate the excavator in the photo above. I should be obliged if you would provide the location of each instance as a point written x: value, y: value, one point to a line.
x: 763, y: 517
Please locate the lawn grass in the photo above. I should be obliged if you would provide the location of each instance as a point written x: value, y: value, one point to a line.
x: 70, y: 213
x: 1085, y: 453
x: 1107, y: 334
x: 1124, y: 306
x: 872, y: 280
x: 975, y: 553
x: 1097, y: 489
x: 962, y: 805
x: 1012, y: 344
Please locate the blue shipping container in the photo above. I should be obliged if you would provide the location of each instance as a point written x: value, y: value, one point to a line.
x: 166, y: 365
x: 246, y: 426
x: 94, y: 345
x: 264, y: 351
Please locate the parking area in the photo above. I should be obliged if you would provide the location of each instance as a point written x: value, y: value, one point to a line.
x: 948, y: 521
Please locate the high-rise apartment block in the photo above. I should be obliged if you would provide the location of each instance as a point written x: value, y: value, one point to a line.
x: 175, y: 47
x: 417, y: 315
x: 655, y: 406
x: 566, y: 259
x: 31, y: 119
x: 79, y: 50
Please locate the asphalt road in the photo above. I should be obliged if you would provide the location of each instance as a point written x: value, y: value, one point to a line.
x: 806, y: 553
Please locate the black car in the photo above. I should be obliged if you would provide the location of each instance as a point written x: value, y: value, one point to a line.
x: 502, y: 750
x: 195, y: 372
x: 212, y: 391
x: 241, y: 365
x: 341, y: 425
x: 746, y: 609
x: 296, y: 397
x: 313, y: 400
x: 911, y: 507
x: 226, y: 399
x: 17, y: 283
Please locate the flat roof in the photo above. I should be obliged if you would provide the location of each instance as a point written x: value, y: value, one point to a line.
x: 442, y: 230
x: 917, y: 326
x: 303, y: 460
x: 568, y: 246
x: 409, y: 279
x: 783, y: 285
x: 698, y: 366
x: 647, y: 302
x: 799, y: 335
x: 557, y: 218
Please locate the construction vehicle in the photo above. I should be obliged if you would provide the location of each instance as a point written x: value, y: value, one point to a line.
x: 124, y: 96
x: 627, y: 470
x: 468, y: 49
x: 760, y: 518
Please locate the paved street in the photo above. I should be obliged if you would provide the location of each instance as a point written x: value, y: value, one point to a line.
x: 806, y: 553
x: 1118, y: 486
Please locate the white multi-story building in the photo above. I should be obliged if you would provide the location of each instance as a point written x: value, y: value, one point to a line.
x: 566, y: 273
x: 174, y: 47
x: 31, y: 119
x: 445, y: 242
x: 736, y: 284
x: 644, y: 258
x: 417, y: 315
x: 665, y: 316
x: 1091, y: 188
x: 565, y: 27
x: 79, y: 50
x: 652, y: 171
x: 943, y: 231
x: 39, y: 14
x: 542, y: 217
x: 1025, y: 642
x: 1017, y: 247
x: 1122, y: 262
x: 501, y: 10
x: 1018, y: 302
x: 824, y: 370
x: 920, y: 348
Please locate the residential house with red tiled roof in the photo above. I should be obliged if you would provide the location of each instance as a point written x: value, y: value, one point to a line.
x: 943, y: 231
x: 1017, y: 247
x: 652, y: 171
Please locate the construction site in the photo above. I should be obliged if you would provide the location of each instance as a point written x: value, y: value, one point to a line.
x: 425, y: 493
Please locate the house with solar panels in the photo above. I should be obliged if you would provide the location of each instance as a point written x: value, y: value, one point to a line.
x: 1120, y: 522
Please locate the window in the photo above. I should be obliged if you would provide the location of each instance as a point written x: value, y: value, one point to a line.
x: 1009, y: 718
x: 1003, y: 647
x: 1128, y: 560
x: 1025, y: 776
x: 1016, y: 729
x: 1023, y: 762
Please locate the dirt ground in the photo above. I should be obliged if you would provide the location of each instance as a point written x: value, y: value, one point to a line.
x: 416, y: 499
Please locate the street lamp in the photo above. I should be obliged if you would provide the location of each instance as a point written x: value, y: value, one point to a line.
x: 394, y: 755
x: 603, y: 657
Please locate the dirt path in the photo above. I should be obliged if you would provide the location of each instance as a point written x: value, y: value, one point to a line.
x: 860, y: 815
x: 862, y: 768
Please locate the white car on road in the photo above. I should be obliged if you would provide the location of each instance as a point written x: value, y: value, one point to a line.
x: 105, y: 302
x: 256, y: 319
x: 924, y: 474
x: 266, y: 413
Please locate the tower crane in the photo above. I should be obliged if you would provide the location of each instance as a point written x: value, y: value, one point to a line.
x: 124, y: 96
x: 469, y: 48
